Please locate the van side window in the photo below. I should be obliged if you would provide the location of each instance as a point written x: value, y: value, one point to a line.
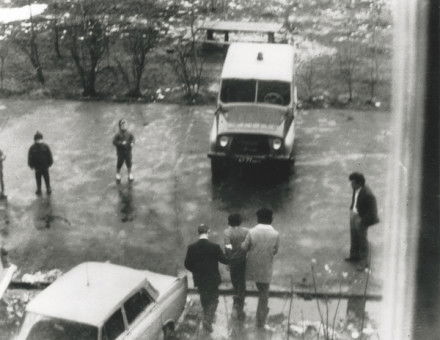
x: 114, y: 326
x: 238, y: 91
x: 136, y: 304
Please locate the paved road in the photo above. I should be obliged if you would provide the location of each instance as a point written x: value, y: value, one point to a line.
x: 149, y: 224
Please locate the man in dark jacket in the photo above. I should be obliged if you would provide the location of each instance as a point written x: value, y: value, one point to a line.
x: 363, y: 214
x: 40, y: 159
x: 124, y: 141
x: 202, y: 260
x: 234, y: 237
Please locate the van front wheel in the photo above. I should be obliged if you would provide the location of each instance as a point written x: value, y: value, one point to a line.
x: 218, y: 169
x: 169, y: 331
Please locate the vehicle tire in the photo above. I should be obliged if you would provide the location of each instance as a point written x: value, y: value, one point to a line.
x: 169, y: 331
x: 285, y: 169
x: 218, y: 170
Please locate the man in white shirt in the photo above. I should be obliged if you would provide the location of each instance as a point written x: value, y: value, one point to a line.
x: 363, y: 214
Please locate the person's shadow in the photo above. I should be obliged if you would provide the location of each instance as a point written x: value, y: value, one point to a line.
x: 43, y: 216
x: 126, y: 209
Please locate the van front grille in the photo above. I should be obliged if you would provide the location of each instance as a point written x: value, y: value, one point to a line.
x: 250, y: 145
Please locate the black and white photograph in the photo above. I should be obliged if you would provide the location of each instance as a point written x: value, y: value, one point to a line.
x: 219, y: 169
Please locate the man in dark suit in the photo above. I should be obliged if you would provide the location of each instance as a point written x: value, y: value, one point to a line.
x: 363, y: 214
x: 202, y: 258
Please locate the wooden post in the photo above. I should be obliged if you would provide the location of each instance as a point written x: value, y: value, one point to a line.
x: 209, y: 35
x: 226, y: 36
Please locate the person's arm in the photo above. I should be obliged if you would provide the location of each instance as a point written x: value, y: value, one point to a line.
x: 221, y: 257
x: 2, y: 156
x: 30, y: 158
x: 116, y: 140
x: 246, y: 245
x: 277, y: 245
x: 227, y: 241
x: 189, y: 263
x: 50, y: 158
x: 131, y: 139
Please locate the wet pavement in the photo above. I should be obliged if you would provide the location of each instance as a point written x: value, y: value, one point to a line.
x: 149, y: 223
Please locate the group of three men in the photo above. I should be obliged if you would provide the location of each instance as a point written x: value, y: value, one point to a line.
x: 249, y: 254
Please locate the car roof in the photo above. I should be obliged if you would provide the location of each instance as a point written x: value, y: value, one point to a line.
x: 90, y: 292
x: 242, y: 62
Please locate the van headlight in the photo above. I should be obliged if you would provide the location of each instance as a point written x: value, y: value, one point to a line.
x: 276, y: 143
x: 223, y: 141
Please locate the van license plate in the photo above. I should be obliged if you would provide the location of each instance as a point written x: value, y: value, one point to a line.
x: 247, y: 159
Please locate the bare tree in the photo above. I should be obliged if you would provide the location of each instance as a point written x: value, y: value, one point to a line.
x: 24, y: 36
x: 86, y: 23
x: 146, y: 25
x: 186, y: 59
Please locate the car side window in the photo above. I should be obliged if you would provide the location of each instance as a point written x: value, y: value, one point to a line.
x: 136, y: 304
x: 114, y: 326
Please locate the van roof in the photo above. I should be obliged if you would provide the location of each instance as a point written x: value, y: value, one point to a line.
x: 89, y: 293
x: 242, y: 62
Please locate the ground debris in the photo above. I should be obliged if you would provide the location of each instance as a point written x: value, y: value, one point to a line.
x: 42, y: 277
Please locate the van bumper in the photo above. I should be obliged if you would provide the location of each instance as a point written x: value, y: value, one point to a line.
x: 249, y: 159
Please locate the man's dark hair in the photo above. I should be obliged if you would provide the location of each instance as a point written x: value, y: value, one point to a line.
x: 358, y: 178
x: 202, y: 229
x: 234, y: 220
x: 264, y: 216
x: 38, y: 135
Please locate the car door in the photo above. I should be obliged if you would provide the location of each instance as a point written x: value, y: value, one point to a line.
x: 142, y: 316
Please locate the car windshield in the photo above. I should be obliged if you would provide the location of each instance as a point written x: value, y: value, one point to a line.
x: 38, y: 327
x: 243, y: 91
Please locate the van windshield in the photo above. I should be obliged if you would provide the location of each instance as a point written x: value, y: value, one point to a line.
x: 38, y: 327
x: 243, y: 91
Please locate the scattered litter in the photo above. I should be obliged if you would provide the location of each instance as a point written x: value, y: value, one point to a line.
x: 46, y: 277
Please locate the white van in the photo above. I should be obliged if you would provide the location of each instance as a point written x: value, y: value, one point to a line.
x: 254, y: 120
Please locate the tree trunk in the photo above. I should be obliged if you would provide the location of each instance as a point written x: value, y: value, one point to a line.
x: 56, y: 41
x: 2, y: 68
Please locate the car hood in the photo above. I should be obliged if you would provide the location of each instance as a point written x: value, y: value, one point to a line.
x: 252, y: 119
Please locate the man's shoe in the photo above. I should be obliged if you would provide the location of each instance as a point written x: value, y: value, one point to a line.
x: 118, y: 177
x: 352, y: 259
x: 3, y: 196
x: 38, y: 192
x: 49, y: 191
x: 131, y: 178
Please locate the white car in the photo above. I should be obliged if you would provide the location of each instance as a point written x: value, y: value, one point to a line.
x: 103, y: 301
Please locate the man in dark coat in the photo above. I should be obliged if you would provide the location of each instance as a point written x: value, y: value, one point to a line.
x: 234, y: 237
x: 40, y: 159
x: 202, y: 260
x: 124, y: 141
x: 363, y: 214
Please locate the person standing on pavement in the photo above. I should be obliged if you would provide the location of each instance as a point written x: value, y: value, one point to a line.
x: 123, y: 141
x: 2, y: 183
x: 234, y: 237
x: 202, y: 259
x: 40, y: 159
x: 261, y: 244
x: 363, y: 214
